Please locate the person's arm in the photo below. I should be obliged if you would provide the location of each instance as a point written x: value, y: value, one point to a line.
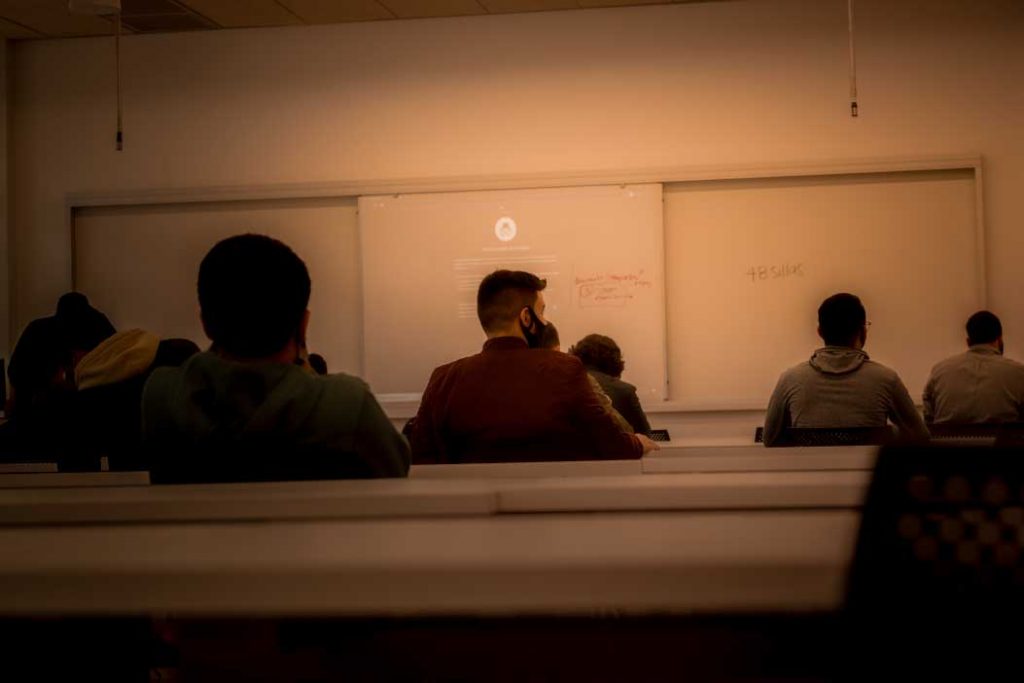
x: 634, y: 413
x: 904, y: 414
x: 609, y: 440
x: 427, y: 446
x: 777, y: 419
x: 602, y: 396
x: 376, y: 440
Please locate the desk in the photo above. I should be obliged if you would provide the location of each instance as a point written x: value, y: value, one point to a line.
x: 658, y: 562
x: 27, y: 467
x: 252, y: 501
x: 417, y: 498
x: 516, y: 470
x: 73, y: 479
x: 712, y: 491
x: 757, y: 458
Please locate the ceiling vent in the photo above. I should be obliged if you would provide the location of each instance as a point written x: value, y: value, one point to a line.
x: 161, y: 16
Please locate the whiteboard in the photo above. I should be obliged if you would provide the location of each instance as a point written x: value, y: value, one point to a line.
x: 600, y: 248
x: 749, y: 262
x: 139, y: 264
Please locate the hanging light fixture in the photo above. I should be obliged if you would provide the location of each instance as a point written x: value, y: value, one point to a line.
x: 853, y: 60
x: 106, y: 8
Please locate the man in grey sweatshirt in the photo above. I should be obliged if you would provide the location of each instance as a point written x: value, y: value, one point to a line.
x: 980, y: 385
x: 840, y: 387
x: 250, y: 409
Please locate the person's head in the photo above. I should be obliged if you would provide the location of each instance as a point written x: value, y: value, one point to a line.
x: 549, y: 338
x: 511, y: 303
x: 253, y: 293
x: 601, y: 353
x: 81, y: 326
x: 842, y: 321
x: 43, y: 362
x: 984, y: 328
x: 318, y: 363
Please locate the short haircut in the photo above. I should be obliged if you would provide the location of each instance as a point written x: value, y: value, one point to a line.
x: 840, y: 319
x: 549, y: 338
x: 503, y: 294
x: 253, y: 293
x: 82, y: 327
x: 983, y: 328
x: 600, y: 353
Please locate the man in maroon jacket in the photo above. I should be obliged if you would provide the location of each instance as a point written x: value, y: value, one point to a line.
x: 514, y: 401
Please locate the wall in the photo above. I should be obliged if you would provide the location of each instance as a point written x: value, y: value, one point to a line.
x: 698, y: 85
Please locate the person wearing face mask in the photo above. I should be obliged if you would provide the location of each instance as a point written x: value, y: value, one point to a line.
x: 980, y: 385
x: 515, y: 400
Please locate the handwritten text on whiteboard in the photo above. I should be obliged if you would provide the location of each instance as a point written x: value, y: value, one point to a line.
x: 765, y: 273
x: 611, y: 288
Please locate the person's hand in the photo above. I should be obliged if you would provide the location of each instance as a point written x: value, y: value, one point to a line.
x: 648, y: 444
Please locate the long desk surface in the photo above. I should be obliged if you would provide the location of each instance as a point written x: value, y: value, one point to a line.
x: 658, y: 562
x: 568, y: 542
x: 432, y: 497
x: 672, y: 458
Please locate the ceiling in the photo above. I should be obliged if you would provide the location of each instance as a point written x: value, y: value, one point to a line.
x: 28, y: 19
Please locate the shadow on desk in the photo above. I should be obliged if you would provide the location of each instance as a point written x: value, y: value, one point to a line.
x: 599, y: 648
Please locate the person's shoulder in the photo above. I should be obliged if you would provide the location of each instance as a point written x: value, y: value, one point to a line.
x: 556, y: 361
x: 342, y: 383
x: 880, y: 372
x: 1008, y: 362
x: 1011, y: 368
x: 452, y: 367
x: 797, y: 372
x: 615, y: 384
x: 335, y: 401
x: 161, y: 379
x: 950, y: 362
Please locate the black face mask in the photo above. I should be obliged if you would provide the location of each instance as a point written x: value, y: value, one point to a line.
x: 533, y: 337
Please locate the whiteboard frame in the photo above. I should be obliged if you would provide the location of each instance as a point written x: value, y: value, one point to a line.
x: 405, y: 407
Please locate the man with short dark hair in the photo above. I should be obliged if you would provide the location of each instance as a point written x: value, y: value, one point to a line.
x: 980, y: 385
x: 248, y: 410
x: 840, y: 387
x: 515, y: 401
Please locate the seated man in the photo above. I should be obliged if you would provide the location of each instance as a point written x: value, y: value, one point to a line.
x: 514, y: 401
x: 840, y: 386
x: 977, y: 386
x: 603, y: 360
x: 246, y: 410
x: 40, y: 407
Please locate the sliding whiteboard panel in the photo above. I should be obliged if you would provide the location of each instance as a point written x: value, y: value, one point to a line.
x: 139, y: 264
x: 600, y: 249
x: 749, y: 261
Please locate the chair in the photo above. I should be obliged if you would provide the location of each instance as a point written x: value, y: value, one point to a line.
x: 936, y: 587
x: 831, y: 436
x: 978, y: 434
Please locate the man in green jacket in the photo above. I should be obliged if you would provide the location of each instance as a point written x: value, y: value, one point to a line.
x: 249, y: 409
